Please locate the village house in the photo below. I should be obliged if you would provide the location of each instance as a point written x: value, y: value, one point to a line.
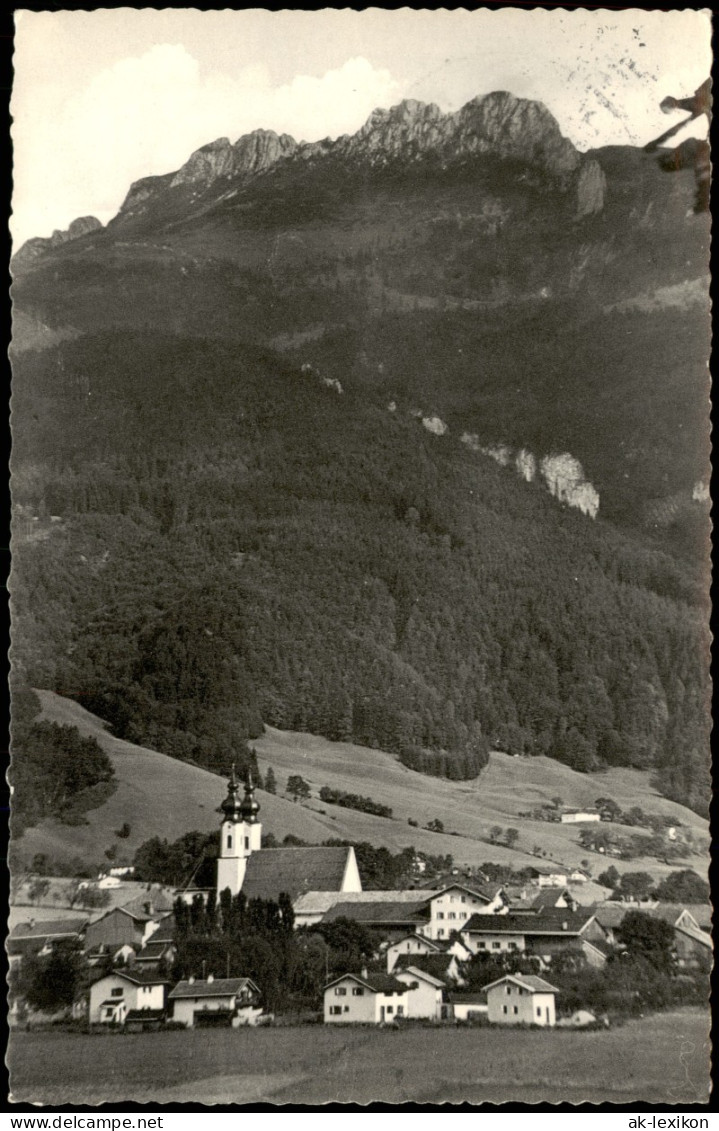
x: 692, y: 946
x: 40, y: 937
x: 312, y: 906
x: 120, y: 927
x: 521, y: 999
x: 205, y: 1002
x: 539, y: 901
x: 411, y: 945
x: 394, y: 918
x: 118, y: 956
x: 450, y: 908
x: 579, y: 816
x: 120, y: 995
x: 369, y: 999
x: 426, y: 992
x: 548, y: 877
x: 550, y: 932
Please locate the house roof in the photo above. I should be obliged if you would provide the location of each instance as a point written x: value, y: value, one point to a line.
x: 136, y: 916
x: 551, y: 921
x: 144, y: 1015
x: 529, y: 982
x: 378, y: 983
x: 416, y: 971
x: 485, y: 892
x: 153, y: 951
x: 437, y: 965
x: 47, y: 929
x: 138, y: 978
x: 294, y: 871
x: 382, y: 913
x: 218, y: 987
x: 433, y: 945
x: 558, y: 870
x: 468, y: 998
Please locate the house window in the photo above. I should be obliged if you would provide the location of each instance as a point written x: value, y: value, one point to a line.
x: 357, y: 991
x: 440, y: 914
x: 482, y: 945
x: 464, y: 899
x: 335, y: 1009
x: 116, y: 993
x: 451, y: 915
x: 400, y: 1010
x: 496, y: 946
x: 347, y: 1009
x: 515, y: 1009
x: 247, y: 842
x: 539, y: 1011
x: 504, y: 1009
x: 512, y: 946
x: 440, y: 933
x: 229, y: 841
x: 108, y: 1013
x: 389, y: 1009
x: 341, y: 991
x: 509, y: 989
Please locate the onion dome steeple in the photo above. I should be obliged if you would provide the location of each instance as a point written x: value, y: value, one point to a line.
x: 250, y: 807
x: 232, y: 806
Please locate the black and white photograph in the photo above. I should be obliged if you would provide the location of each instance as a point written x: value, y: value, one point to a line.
x: 360, y: 581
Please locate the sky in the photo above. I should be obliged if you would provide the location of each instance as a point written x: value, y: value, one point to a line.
x: 103, y: 98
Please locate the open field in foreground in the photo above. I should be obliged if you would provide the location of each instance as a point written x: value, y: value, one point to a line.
x: 659, y: 1059
x: 190, y: 796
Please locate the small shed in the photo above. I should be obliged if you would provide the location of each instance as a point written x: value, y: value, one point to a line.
x: 521, y: 999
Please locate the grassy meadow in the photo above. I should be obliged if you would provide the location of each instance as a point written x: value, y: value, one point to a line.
x: 161, y: 796
x: 659, y: 1059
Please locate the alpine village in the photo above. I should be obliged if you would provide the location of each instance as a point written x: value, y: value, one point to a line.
x: 360, y: 651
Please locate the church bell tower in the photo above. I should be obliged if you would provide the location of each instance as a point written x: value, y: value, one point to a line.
x: 240, y: 834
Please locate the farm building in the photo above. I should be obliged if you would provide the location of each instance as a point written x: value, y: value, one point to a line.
x: 119, y: 927
x: 370, y: 999
x: 116, y: 995
x: 426, y: 993
x: 204, y: 1002
x: 551, y: 932
x: 579, y: 816
x: 395, y: 918
x: 39, y: 937
x: 521, y: 999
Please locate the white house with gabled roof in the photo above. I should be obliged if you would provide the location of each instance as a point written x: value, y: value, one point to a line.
x: 425, y: 992
x: 451, y: 908
x: 369, y: 999
x: 122, y: 992
x: 521, y: 999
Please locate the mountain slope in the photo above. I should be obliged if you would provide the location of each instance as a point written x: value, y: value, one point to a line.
x: 159, y: 796
x: 224, y: 414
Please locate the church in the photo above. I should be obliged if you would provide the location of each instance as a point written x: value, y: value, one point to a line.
x: 244, y: 865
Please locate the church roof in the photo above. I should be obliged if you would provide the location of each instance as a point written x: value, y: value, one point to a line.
x: 294, y: 871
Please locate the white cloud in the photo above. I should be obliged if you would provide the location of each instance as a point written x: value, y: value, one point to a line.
x: 145, y: 115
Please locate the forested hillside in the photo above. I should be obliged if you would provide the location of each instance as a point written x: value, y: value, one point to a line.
x: 228, y: 510
x: 238, y: 543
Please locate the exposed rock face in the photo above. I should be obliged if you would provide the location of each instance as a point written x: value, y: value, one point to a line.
x: 498, y: 123
x: 591, y: 188
x: 34, y: 249
x: 564, y: 477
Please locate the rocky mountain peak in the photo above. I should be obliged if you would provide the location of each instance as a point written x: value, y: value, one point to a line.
x: 257, y: 151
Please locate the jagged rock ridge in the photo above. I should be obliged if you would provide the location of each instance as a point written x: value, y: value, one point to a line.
x: 496, y: 124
